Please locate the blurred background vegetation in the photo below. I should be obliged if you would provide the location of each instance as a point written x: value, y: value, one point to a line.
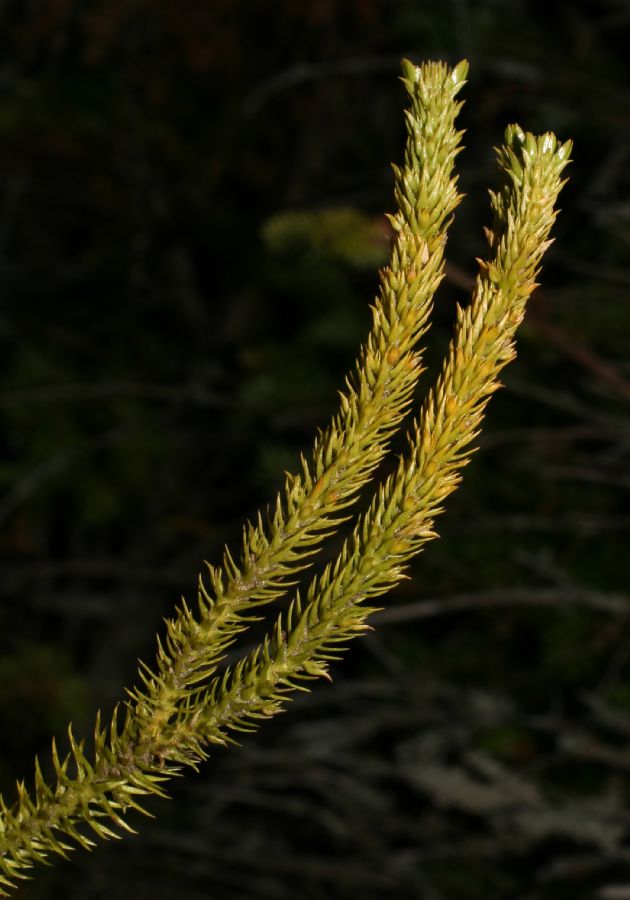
x: 191, y: 222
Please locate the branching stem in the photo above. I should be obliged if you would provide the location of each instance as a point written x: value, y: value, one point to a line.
x: 184, y: 706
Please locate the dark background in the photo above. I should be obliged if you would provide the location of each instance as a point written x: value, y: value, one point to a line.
x: 191, y: 222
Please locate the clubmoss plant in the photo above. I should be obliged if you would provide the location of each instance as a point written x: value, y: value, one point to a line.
x: 186, y: 702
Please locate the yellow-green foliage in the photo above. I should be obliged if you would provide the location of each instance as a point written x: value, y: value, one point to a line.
x: 341, y: 233
x: 185, y: 703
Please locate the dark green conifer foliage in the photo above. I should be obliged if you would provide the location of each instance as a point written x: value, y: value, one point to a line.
x: 184, y: 703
